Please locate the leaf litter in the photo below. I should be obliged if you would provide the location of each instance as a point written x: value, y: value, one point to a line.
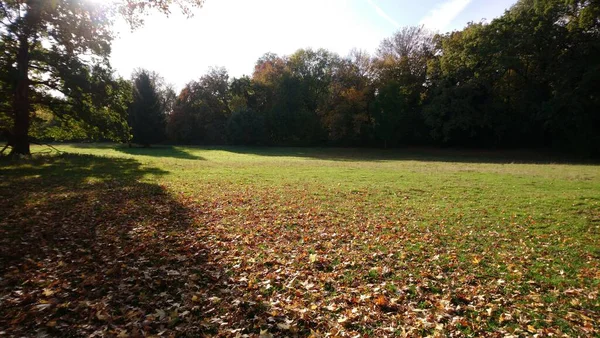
x: 123, y: 258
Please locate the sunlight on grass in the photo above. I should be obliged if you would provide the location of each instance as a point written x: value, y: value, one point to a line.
x: 359, y: 241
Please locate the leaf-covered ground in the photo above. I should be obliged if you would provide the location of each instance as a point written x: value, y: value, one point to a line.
x: 297, y: 242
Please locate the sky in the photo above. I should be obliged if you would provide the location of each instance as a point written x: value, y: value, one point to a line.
x: 235, y: 33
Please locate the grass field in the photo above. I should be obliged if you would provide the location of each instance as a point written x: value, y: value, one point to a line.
x: 184, y: 241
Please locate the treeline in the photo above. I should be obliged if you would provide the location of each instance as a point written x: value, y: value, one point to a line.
x: 530, y: 78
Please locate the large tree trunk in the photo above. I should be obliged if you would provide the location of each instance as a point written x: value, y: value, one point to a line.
x: 21, y: 102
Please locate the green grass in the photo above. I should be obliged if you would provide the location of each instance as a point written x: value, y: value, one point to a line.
x: 414, y: 241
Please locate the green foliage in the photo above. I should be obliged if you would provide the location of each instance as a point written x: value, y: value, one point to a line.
x: 201, y: 111
x: 147, y: 111
x: 246, y: 127
x: 55, y: 58
x: 459, y: 110
x: 526, y: 79
x: 46, y: 127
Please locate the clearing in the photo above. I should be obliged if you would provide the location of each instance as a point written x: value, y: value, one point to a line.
x: 186, y: 241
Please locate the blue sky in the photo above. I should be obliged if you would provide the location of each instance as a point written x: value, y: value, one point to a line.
x: 235, y: 33
x: 447, y: 15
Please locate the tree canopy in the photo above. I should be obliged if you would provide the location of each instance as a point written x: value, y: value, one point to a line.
x: 56, y: 58
x: 529, y: 78
x: 150, y: 106
x: 526, y: 79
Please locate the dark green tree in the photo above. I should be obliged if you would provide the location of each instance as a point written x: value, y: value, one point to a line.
x: 401, y: 81
x: 147, y: 111
x: 246, y: 127
x: 201, y: 111
x: 526, y: 79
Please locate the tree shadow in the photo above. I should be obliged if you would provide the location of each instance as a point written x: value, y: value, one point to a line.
x: 158, y: 151
x: 427, y: 154
x: 86, y: 248
x: 153, y: 151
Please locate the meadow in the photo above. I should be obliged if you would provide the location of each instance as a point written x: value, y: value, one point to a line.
x: 107, y: 240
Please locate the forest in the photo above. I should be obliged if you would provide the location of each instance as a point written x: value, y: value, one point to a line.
x: 528, y: 79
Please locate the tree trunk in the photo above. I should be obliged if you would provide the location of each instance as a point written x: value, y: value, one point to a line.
x: 21, y: 102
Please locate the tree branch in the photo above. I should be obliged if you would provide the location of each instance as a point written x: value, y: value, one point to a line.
x: 47, y: 145
x: 8, y: 27
x: 54, y: 87
x: 8, y: 17
x: 41, y: 68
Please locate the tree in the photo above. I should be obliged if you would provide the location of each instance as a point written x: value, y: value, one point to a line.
x: 458, y: 110
x: 301, y: 92
x: 202, y: 109
x: 347, y: 117
x: 528, y: 78
x: 148, y: 110
x: 246, y: 127
x: 401, y: 82
x: 56, y: 56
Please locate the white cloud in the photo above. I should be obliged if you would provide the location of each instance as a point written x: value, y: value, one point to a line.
x: 442, y: 15
x: 383, y: 14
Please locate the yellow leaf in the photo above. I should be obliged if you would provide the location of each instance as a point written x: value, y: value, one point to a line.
x: 195, y: 298
x: 312, y: 258
x: 531, y: 329
x: 265, y: 334
x: 48, y: 292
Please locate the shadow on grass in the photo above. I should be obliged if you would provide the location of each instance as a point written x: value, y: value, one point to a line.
x: 154, y: 150
x: 427, y: 154
x: 88, y: 249
x: 158, y: 151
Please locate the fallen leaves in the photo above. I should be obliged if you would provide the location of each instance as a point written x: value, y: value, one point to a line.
x: 381, y: 301
x: 48, y: 292
x: 123, y: 258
